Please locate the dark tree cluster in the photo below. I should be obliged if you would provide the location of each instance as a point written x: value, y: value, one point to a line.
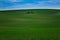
x: 30, y: 12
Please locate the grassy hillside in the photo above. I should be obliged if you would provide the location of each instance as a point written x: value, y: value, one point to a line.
x: 36, y: 24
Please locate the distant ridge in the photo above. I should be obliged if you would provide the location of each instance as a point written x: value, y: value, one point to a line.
x: 27, y: 9
x: 30, y: 9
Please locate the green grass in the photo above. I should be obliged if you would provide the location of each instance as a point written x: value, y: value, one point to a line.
x: 43, y: 24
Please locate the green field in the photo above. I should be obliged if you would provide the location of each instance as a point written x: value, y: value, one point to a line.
x: 40, y: 24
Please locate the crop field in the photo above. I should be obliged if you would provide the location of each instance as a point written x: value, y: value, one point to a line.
x: 34, y: 24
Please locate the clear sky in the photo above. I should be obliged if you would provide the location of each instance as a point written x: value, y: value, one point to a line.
x: 29, y: 4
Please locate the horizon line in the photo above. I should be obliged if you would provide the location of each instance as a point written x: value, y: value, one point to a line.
x: 28, y: 9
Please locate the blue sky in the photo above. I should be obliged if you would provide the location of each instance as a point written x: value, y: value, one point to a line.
x: 29, y: 4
